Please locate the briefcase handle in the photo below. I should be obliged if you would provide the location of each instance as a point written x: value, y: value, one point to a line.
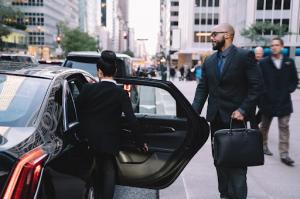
x: 245, y: 125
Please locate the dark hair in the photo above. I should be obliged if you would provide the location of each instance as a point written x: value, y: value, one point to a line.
x: 107, y: 63
x: 279, y: 39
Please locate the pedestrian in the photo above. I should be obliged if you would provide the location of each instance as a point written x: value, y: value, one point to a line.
x: 281, y: 79
x: 231, y: 81
x: 172, y: 73
x: 100, y: 106
x: 198, y: 71
x: 181, y: 70
x: 259, y: 53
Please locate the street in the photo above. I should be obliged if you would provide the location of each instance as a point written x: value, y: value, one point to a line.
x: 274, y: 180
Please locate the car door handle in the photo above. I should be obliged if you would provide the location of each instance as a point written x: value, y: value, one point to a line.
x: 165, y: 129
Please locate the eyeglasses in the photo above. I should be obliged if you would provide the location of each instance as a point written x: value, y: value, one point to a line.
x: 214, y: 34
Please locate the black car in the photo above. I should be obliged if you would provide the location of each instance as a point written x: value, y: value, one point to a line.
x: 86, y: 60
x: 43, y: 154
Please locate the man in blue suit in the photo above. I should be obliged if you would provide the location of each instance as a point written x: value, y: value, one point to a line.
x: 231, y: 80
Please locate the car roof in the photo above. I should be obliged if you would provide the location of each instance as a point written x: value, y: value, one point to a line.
x: 36, y: 70
x: 93, y: 54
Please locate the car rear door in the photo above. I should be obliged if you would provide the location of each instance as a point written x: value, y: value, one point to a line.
x: 173, y: 131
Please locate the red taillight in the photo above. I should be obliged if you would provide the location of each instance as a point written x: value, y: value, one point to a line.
x: 127, y: 87
x: 26, y: 174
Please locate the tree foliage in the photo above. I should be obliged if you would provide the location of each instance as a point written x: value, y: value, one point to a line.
x: 260, y: 31
x: 129, y: 53
x: 75, y: 40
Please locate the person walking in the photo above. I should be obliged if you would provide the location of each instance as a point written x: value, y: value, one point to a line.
x: 259, y: 53
x: 198, y: 71
x: 281, y: 79
x: 231, y: 81
x: 100, y: 106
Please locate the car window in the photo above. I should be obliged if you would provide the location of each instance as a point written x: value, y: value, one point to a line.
x: 153, y: 101
x: 21, y: 99
x: 71, y: 111
x: 89, y: 67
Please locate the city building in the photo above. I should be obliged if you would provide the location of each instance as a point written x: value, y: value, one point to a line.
x: 114, y: 22
x: 187, y: 26
x: 41, y: 19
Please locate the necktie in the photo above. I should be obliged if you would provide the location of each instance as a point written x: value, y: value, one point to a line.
x: 220, y: 66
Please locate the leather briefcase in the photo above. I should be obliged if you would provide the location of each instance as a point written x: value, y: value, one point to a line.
x: 238, y: 147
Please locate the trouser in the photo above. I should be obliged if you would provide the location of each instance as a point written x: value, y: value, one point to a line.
x: 232, y: 182
x: 105, y: 178
x: 284, y: 132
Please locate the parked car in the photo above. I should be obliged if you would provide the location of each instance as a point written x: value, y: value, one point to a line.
x: 43, y: 154
x: 27, y: 59
x: 57, y: 62
x: 86, y: 60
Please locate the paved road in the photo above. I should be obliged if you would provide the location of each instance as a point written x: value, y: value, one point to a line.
x: 274, y: 180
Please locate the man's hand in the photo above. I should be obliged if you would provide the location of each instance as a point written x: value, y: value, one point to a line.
x: 237, y: 115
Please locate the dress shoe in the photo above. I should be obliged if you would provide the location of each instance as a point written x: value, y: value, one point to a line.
x: 267, y: 151
x: 288, y: 161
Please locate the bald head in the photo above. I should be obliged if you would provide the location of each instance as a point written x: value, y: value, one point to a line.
x: 224, y: 27
x: 259, y: 53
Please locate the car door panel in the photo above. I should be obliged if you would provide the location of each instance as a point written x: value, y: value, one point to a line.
x: 173, y: 134
x: 67, y: 175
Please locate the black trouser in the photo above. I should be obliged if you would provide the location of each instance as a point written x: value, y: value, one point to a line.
x: 232, y: 182
x: 105, y: 178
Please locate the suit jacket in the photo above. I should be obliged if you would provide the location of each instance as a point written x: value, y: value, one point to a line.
x: 238, y: 87
x: 279, y: 84
x: 100, y: 108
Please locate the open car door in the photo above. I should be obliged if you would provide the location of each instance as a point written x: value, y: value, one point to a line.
x: 169, y: 125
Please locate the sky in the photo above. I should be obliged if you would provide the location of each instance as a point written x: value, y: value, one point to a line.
x: 144, y: 18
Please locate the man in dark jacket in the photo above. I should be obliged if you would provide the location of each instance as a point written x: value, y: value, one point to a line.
x: 232, y: 82
x: 281, y: 79
x: 100, y: 106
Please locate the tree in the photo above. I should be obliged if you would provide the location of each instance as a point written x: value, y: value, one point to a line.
x: 75, y: 40
x: 129, y: 53
x: 259, y: 32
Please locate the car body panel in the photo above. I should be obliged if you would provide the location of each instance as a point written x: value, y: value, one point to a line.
x: 173, y: 140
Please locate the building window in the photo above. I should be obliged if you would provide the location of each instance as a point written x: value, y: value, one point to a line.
x: 269, y: 4
x: 217, y: 3
x: 201, y: 37
x: 174, y: 13
x: 196, y: 38
x: 103, y: 12
x: 203, y: 19
x: 260, y: 5
x: 276, y: 21
x: 28, y: 2
x: 197, y: 20
x: 216, y: 19
x: 287, y: 4
x: 210, y: 3
x: 268, y: 32
x: 278, y: 4
x: 203, y: 3
x: 286, y: 23
x: 174, y: 3
x: 174, y: 23
x: 197, y: 3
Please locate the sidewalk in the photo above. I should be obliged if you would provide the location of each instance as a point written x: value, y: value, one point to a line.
x: 274, y: 180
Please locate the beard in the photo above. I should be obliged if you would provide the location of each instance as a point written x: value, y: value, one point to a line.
x: 218, y: 45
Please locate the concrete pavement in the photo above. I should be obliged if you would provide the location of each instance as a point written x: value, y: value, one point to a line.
x: 273, y: 180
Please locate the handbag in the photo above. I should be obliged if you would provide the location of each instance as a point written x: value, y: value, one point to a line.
x: 240, y: 147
